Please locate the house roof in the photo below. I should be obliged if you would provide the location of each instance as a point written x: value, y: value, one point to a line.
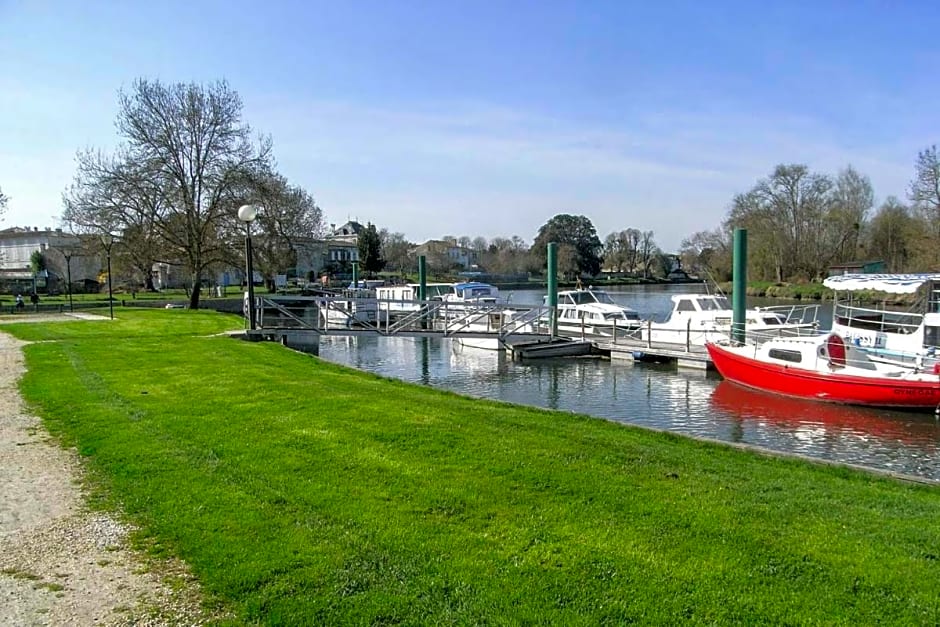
x: 350, y: 228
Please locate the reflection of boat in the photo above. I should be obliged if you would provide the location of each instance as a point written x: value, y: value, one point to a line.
x: 699, y: 318
x: 799, y: 413
x: 901, y: 336
x: 504, y: 324
x: 825, y: 368
x: 593, y: 312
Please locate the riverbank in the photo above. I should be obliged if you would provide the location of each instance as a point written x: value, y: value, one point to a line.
x: 302, y: 492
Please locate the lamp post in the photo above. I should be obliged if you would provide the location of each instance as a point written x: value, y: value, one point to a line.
x: 107, y: 240
x: 68, y: 253
x: 247, y: 214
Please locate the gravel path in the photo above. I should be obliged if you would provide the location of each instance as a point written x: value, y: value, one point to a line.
x: 61, y: 564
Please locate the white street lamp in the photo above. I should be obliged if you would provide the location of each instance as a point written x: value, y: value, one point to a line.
x: 247, y: 214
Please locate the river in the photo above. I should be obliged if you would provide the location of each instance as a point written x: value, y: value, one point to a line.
x: 657, y: 396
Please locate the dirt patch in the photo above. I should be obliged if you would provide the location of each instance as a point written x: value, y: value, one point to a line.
x: 60, y: 563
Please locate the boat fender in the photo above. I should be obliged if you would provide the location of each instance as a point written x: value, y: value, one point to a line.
x: 835, y: 350
x: 936, y: 368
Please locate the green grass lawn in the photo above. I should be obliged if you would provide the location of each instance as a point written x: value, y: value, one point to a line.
x: 302, y: 492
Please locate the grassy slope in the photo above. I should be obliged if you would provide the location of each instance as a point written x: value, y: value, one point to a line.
x: 302, y: 492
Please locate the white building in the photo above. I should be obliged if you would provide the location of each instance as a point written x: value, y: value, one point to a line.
x: 63, y: 253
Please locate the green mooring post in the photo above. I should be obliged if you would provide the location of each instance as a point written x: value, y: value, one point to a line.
x: 553, y: 288
x: 422, y: 277
x: 355, y: 282
x: 423, y: 288
x: 739, y: 286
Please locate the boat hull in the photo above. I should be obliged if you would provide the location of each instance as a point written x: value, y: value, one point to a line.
x: 825, y: 386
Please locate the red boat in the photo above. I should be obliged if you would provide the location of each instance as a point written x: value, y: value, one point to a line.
x: 825, y: 368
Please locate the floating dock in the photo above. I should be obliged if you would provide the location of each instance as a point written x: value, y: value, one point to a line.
x: 638, y: 350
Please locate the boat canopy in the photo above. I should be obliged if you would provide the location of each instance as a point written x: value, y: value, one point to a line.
x: 890, y: 283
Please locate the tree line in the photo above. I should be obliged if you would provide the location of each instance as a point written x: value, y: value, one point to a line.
x: 800, y: 223
x: 169, y: 193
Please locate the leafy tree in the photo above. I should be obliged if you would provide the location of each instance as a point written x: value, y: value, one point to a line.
x: 578, y: 233
x: 370, y: 250
x: 37, y: 262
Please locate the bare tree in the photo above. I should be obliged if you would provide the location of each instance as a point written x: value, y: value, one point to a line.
x: 891, y: 234
x: 648, y: 251
x: 396, y: 250
x: 707, y: 253
x: 786, y: 213
x: 3, y: 203
x: 191, y: 141
x: 853, y: 199
x: 925, y: 196
x: 113, y: 195
x: 288, y: 214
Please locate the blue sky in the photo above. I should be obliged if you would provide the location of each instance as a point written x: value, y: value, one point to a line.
x: 488, y: 118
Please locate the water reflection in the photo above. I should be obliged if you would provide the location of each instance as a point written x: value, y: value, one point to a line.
x: 899, y: 441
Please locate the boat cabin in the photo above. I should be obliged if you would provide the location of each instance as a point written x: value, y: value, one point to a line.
x: 719, y: 310
x: 474, y: 292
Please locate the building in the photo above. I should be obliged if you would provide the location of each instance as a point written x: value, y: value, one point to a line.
x: 333, y: 254
x: 446, y: 254
x: 64, y: 254
x: 858, y: 267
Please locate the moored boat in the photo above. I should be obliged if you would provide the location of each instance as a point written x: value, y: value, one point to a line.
x: 396, y: 300
x: 905, y: 337
x: 699, y: 318
x: 593, y: 312
x: 825, y: 368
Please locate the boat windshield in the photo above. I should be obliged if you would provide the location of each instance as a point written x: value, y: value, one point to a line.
x: 582, y: 298
x: 436, y: 291
x: 473, y: 293
x: 714, y: 303
x: 603, y: 297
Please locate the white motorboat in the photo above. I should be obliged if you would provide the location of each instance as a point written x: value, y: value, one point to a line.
x: 349, y: 308
x: 593, y: 312
x: 398, y: 300
x: 699, y: 318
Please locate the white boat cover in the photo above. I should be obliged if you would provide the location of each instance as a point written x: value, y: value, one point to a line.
x: 890, y: 283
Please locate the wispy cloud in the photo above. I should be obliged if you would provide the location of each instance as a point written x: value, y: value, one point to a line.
x: 672, y: 172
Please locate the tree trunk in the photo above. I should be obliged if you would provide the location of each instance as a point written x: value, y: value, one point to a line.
x: 194, y: 294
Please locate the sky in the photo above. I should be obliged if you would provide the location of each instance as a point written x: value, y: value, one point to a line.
x: 482, y: 118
